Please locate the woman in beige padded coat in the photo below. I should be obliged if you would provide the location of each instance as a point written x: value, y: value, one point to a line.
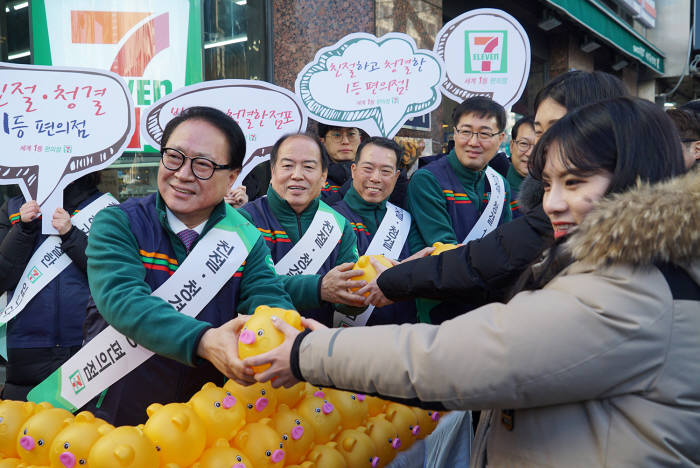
x: 597, y: 361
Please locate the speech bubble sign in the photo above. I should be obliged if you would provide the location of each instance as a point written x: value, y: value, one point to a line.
x: 374, y: 84
x: 264, y: 112
x: 486, y: 53
x: 58, y: 124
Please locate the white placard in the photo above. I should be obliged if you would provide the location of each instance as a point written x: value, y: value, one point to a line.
x: 487, y: 53
x: 264, y: 112
x: 58, y: 124
x: 375, y: 84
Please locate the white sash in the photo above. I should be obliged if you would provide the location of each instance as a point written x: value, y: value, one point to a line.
x: 388, y: 241
x: 488, y: 221
x: 49, y: 260
x: 111, y: 355
x: 391, y: 234
x: 315, y: 246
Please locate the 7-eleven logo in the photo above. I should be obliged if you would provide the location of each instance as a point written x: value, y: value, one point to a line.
x: 486, y: 52
x: 77, y: 382
x: 34, y: 275
x: 142, y: 35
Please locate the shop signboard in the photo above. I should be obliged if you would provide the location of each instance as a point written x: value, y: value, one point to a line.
x: 486, y: 53
x: 155, y: 45
x: 647, y: 15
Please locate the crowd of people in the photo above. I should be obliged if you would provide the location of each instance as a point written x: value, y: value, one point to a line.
x: 568, y: 314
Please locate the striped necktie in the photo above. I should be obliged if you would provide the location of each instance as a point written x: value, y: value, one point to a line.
x: 188, y: 236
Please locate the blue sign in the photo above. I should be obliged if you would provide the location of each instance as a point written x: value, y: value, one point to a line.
x: 422, y: 122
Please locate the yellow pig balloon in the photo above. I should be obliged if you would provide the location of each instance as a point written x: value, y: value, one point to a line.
x: 38, y: 432
x: 368, y: 271
x: 72, y: 445
x: 223, y: 414
x: 124, y: 447
x: 440, y: 247
x: 12, y: 415
x: 220, y: 455
x: 177, y: 432
x: 259, y: 335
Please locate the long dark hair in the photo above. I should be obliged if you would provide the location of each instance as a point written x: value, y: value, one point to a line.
x: 631, y: 138
x: 578, y: 88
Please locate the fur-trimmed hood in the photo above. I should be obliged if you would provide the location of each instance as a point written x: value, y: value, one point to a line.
x: 647, y: 224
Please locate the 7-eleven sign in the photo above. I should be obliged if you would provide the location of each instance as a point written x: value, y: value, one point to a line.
x: 155, y: 45
x: 486, y: 52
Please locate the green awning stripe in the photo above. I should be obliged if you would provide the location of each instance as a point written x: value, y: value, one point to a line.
x: 597, y: 18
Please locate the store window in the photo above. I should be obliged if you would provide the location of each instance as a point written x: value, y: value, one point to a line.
x: 234, y: 46
x: 234, y: 39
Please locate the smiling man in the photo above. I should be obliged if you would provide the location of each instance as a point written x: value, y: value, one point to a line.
x: 459, y: 198
x: 313, y: 247
x: 381, y: 228
x: 171, y: 241
x: 521, y: 144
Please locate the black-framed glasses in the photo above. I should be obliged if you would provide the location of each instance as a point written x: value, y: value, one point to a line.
x: 481, y: 136
x: 523, y: 145
x: 338, y: 135
x: 202, y: 168
x: 688, y: 140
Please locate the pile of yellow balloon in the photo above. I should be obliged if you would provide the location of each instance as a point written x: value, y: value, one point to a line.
x: 231, y: 426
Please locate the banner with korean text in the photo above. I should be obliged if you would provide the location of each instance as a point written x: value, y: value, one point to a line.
x: 58, y: 124
x: 371, y: 83
x: 264, y: 112
x: 155, y: 45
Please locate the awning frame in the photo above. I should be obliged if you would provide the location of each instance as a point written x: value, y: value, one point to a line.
x: 599, y: 20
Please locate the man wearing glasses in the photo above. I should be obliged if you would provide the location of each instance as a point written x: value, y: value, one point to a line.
x: 458, y: 198
x: 185, y: 232
x: 341, y: 145
x: 521, y: 143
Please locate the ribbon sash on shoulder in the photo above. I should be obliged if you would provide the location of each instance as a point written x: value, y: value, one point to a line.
x: 111, y: 355
x: 389, y: 240
x: 316, y: 245
x: 488, y: 221
x: 391, y: 234
x: 49, y: 260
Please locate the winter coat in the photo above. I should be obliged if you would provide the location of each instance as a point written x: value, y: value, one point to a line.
x: 600, y: 366
x: 480, y: 272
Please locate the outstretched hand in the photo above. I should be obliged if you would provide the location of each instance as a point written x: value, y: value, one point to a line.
x: 280, y: 371
x: 220, y: 347
x: 375, y: 295
x: 336, y: 285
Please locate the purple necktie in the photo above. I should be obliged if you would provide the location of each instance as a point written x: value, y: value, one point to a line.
x: 188, y: 236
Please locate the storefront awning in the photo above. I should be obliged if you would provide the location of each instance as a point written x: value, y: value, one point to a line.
x: 602, y: 22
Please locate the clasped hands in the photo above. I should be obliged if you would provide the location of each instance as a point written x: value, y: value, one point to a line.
x: 220, y: 347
